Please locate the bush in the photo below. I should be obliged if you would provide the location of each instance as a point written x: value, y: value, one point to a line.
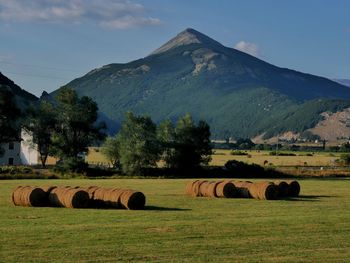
x: 281, y: 154
x: 242, y: 169
x: 16, y: 170
x: 237, y: 152
x: 72, y: 165
x: 344, y: 159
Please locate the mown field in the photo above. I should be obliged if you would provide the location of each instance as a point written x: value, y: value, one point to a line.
x: 220, y: 157
x: 176, y: 228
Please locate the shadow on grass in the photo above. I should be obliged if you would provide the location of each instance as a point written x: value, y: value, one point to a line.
x: 159, y: 208
x: 309, y: 198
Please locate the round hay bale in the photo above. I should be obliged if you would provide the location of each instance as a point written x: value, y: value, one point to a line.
x: 133, y: 200
x: 111, y: 197
x: 98, y: 198
x: 76, y: 198
x: 226, y: 189
x: 69, y: 197
x: 263, y: 191
x: 56, y: 196
x: 211, y: 189
x: 189, y: 187
x: 196, y: 188
x: 242, y: 189
x: 115, y: 197
x: 48, y: 189
x: 91, y: 191
x: 293, y: 188
x: 203, y: 188
x: 16, y: 194
x: 282, y: 187
x: 29, y: 196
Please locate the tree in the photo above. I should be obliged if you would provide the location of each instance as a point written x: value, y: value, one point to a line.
x: 192, y: 144
x: 41, y: 123
x: 345, y: 147
x: 76, y: 127
x: 9, y: 114
x: 139, y: 146
x: 244, y: 144
x: 110, y: 149
x: 344, y: 159
x: 166, y: 137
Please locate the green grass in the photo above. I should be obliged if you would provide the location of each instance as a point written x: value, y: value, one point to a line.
x: 178, y: 228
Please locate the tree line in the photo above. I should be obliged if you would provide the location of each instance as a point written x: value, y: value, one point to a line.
x: 66, y: 126
x: 141, y: 144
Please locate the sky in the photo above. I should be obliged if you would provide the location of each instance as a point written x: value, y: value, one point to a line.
x: 44, y: 44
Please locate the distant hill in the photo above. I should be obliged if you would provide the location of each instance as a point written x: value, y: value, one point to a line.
x: 23, y: 98
x: 345, y: 82
x: 237, y: 94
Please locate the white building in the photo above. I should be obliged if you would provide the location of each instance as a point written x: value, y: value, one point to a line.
x: 22, y: 153
x: 28, y: 153
x: 11, y: 154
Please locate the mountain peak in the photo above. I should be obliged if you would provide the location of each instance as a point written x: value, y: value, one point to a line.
x: 186, y: 37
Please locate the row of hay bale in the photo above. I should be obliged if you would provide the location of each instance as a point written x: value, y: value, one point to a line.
x: 263, y: 190
x: 78, y: 197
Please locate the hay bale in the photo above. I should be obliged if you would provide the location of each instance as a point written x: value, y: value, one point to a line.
x: 48, y: 189
x: 116, y: 195
x: 112, y: 197
x: 29, y: 196
x: 242, y: 189
x: 189, y: 187
x: 69, y: 197
x: 196, y: 191
x: 282, y: 187
x: 202, y: 189
x: 263, y: 191
x: 91, y: 191
x: 226, y: 189
x: 293, y: 188
x: 117, y: 198
x: 98, y: 199
x: 211, y: 189
x: 132, y: 200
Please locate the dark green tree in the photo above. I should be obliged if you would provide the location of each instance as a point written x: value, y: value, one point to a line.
x: 166, y: 137
x: 9, y: 115
x: 139, y: 146
x: 76, y: 127
x: 192, y: 146
x: 110, y: 149
x: 40, y: 124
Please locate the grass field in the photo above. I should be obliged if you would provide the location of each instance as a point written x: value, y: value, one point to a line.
x: 178, y: 228
x: 220, y: 157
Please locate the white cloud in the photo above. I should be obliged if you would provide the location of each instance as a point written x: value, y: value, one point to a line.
x: 118, y: 14
x: 247, y: 47
x: 130, y: 21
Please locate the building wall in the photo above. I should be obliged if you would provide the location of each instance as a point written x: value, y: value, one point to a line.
x: 11, y: 153
x: 29, y: 155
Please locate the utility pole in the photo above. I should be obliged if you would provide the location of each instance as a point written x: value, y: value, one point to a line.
x: 278, y: 139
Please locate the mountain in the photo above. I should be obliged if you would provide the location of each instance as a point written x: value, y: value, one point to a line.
x: 345, y: 82
x: 237, y: 94
x: 23, y: 98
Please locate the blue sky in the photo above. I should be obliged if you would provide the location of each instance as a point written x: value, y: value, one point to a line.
x: 46, y: 43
